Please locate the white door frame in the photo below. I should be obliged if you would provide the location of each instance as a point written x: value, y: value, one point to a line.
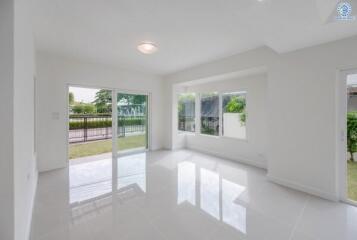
x: 114, y: 91
x: 149, y: 125
x: 68, y: 85
x: 341, y: 133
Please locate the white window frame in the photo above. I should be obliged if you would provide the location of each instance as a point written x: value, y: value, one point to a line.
x: 246, y: 110
x: 198, y: 96
x: 219, y: 117
x: 178, y: 119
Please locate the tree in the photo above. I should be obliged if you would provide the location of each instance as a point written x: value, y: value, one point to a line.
x: 352, y: 133
x: 71, y: 98
x: 103, y: 101
x: 84, y: 108
x: 237, y: 105
x: 132, y: 98
x: 88, y: 108
x: 77, y: 109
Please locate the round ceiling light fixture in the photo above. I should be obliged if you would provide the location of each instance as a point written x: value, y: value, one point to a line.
x: 147, y: 48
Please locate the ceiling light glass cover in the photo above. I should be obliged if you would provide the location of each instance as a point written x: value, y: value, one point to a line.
x: 147, y: 48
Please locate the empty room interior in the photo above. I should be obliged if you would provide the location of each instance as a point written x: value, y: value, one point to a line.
x: 171, y: 120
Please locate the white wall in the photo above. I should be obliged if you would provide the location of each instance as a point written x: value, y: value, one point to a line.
x: 178, y: 140
x: 55, y: 73
x: 301, y: 150
x: 18, y: 174
x: 251, y: 150
x: 24, y: 153
x: 6, y: 120
x: 302, y: 103
x: 352, y: 103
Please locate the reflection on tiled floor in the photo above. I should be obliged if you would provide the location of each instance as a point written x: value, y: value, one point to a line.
x: 92, y: 179
x: 180, y: 195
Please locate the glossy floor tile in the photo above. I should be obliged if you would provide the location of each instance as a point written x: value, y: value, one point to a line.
x: 179, y: 195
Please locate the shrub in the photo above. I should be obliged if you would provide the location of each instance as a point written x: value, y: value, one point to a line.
x: 235, y: 105
x: 352, y: 133
x: 243, y: 117
x: 84, y: 108
x: 207, y: 130
x: 104, y: 123
x: 132, y: 121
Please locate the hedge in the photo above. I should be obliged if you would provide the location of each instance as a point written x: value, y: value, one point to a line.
x: 105, y: 123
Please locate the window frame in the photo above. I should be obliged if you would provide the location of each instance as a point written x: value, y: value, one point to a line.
x: 195, y: 114
x: 246, y: 111
x: 200, y: 114
x: 220, y: 93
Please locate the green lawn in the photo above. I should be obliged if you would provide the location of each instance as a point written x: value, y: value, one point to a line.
x: 352, y: 180
x: 104, y: 146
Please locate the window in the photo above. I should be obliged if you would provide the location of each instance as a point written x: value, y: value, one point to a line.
x: 210, y: 114
x: 186, y: 112
x: 234, y: 114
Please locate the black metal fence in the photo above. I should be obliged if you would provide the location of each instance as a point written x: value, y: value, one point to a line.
x: 131, y: 125
x: 210, y: 125
x: 186, y: 124
x: 84, y: 128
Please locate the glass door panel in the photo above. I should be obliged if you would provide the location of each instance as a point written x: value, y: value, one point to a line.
x: 132, y: 120
x: 351, y: 137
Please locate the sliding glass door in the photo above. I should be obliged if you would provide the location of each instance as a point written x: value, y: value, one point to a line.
x: 89, y: 123
x: 132, y: 122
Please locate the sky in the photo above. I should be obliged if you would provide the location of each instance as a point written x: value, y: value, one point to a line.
x: 352, y: 79
x: 86, y: 95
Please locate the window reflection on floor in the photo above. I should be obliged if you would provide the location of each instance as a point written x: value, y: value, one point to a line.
x: 93, y: 179
x: 209, y: 192
x: 217, y: 195
x: 89, y: 180
x: 186, y: 183
x: 91, y: 188
x: 233, y: 214
x: 91, y: 184
x: 132, y: 172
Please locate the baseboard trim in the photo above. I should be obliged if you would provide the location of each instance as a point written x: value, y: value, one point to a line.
x: 239, y: 159
x: 302, y: 188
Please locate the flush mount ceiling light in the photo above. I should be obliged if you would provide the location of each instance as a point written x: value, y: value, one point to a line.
x: 147, y: 48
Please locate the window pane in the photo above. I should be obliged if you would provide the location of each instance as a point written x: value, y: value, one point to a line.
x: 210, y: 114
x: 234, y: 114
x: 186, y: 112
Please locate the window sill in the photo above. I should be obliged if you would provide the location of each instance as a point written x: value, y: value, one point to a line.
x: 220, y: 137
x: 236, y: 139
x: 186, y: 133
x: 207, y: 135
x: 212, y: 136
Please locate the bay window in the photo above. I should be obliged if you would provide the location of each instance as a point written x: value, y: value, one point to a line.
x: 210, y: 113
x: 186, y: 112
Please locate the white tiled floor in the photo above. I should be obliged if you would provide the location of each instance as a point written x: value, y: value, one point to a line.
x: 180, y: 195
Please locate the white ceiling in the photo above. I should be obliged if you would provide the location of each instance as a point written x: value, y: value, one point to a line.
x: 187, y: 32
